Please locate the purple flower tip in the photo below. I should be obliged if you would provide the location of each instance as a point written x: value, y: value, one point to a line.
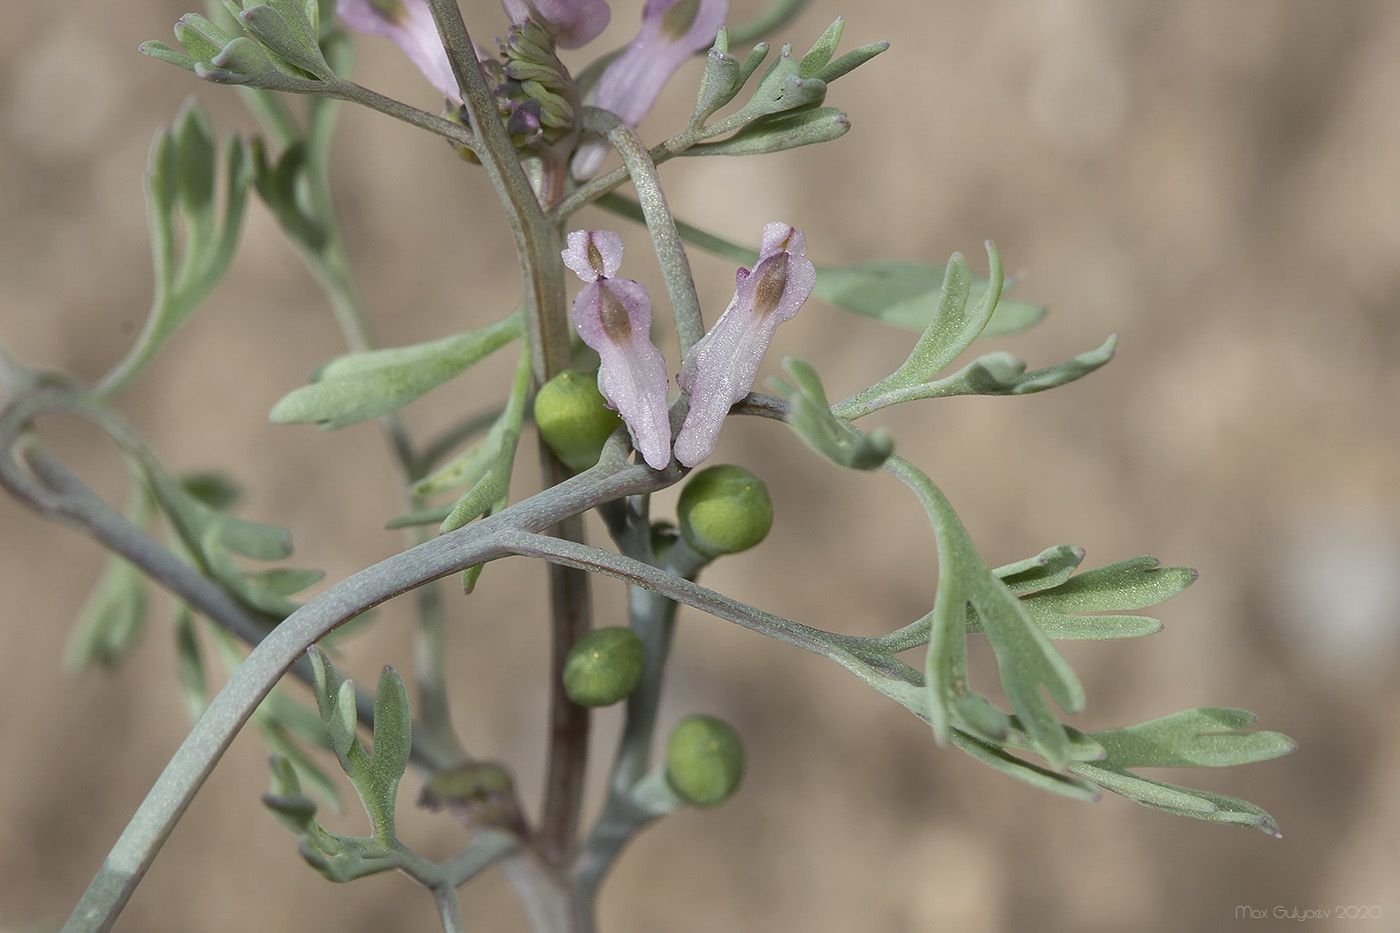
x: 720, y: 369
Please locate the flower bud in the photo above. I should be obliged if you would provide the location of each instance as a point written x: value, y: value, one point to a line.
x: 704, y: 760
x: 574, y: 419
x: 724, y: 510
x: 603, y: 666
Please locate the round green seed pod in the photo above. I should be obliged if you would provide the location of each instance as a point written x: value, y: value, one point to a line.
x: 704, y: 760
x: 603, y: 666
x: 724, y: 510
x: 574, y: 419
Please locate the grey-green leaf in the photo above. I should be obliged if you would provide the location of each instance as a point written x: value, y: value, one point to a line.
x: 1021, y: 770
x: 393, y: 730
x: 1003, y: 374
x: 1179, y: 801
x: 850, y: 61
x: 809, y: 415
x: 283, y: 29
x: 364, y: 385
x: 907, y: 294
x: 1026, y: 659
x: 1210, y: 737
x: 1127, y: 585
x: 284, y: 746
x: 720, y: 82
x: 111, y: 619
x: 1049, y: 568
x: 823, y: 50
x: 183, y: 174
x: 194, y: 681
x: 779, y: 132
x: 1135, y: 583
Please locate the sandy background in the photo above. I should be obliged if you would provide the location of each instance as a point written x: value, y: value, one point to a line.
x: 1218, y: 183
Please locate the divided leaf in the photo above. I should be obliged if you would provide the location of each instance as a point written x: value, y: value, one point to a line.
x: 907, y: 294
x: 1026, y: 660
x: 375, y: 773
x: 1131, y: 584
x: 1049, y: 568
x: 1211, y: 737
x: 191, y: 247
x: 1003, y: 374
x: 809, y: 415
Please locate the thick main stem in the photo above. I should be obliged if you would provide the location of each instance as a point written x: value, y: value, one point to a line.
x: 538, y: 243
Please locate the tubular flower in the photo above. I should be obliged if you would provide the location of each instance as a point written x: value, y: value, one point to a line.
x: 613, y: 316
x: 672, y: 31
x: 720, y: 369
x: 409, y: 25
x: 572, y: 23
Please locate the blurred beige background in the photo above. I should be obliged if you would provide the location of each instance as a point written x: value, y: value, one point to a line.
x: 1218, y: 183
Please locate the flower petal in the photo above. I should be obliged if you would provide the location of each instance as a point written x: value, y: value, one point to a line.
x: 672, y: 31
x: 409, y: 25
x: 613, y: 316
x: 594, y: 254
x: 572, y: 22
x: 720, y: 369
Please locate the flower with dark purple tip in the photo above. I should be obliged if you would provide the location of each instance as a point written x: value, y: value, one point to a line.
x: 720, y: 369
x: 613, y: 316
x: 409, y: 25
x: 672, y: 31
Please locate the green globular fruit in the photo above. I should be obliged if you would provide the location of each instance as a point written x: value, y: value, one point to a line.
x: 704, y: 760
x: 574, y: 419
x: 603, y: 666
x: 724, y: 510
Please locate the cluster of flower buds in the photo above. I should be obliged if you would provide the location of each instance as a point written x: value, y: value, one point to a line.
x: 613, y: 316
x: 534, y: 92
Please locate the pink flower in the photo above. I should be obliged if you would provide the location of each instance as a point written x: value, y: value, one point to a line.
x: 720, y: 369
x: 572, y: 22
x: 613, y: 316
x: 409, y: 25
x: 672, y: 31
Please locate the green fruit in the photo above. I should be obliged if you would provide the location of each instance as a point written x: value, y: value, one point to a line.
x: 603, y: 666
x: 574, y: 419
x: 704, y: 760
x: 724, y: 510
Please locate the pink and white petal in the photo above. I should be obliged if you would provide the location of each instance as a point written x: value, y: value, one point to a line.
x: 409, y: 25
x: 613, y: 316
x: 672, y: 31
x: 593, y: 254
x: 573, y: 22
x: 721, y: 368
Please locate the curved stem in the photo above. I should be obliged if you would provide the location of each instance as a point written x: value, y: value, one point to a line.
x: 190, y: 766
x: 588, y: 193
x: 454, y: 133
x: 449, y: 908
x: 815, y: 640
x: 670, y: 251
x: 536, y: 236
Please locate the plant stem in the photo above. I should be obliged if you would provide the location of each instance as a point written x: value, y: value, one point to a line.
x: 449, y: 908
x: 131, y: 856
x: 670, y: 251
x: 543, y: 893
x: 571, y: 609
x: 455, y: 133
x: 65, y: 498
